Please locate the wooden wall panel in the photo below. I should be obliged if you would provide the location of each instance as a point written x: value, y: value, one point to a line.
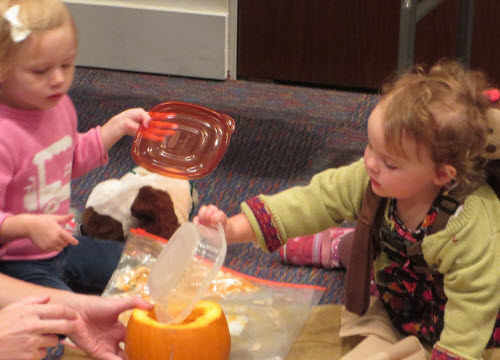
x: 485, y: 52
x: 350, y: 43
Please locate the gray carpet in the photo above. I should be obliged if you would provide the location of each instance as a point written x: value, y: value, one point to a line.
x: 284, y: 135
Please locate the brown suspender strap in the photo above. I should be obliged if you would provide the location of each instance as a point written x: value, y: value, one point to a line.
x: 359, y: 269
x: 493, y: 172
x: 447, y: 206
x: 366, y: 244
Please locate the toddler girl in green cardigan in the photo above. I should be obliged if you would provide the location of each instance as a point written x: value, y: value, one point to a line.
x: 427, y: 138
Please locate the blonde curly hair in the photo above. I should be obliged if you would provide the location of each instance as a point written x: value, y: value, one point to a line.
x: 443, y: 109
x: 36, y: 15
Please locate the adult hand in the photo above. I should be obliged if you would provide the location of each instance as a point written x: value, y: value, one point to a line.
x: 98, y: 331
x: 28, y: 327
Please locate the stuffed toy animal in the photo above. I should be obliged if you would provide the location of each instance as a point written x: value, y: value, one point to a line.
x: 153, y: 202
x: 493, y: 149
x: 493, y: 142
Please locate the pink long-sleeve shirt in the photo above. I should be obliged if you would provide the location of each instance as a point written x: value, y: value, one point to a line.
x: 40, y: 152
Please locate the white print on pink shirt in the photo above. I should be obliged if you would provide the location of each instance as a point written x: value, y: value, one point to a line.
x: 48, y: 197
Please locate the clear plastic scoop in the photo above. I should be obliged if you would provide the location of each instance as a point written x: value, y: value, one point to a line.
x: 185, y: 269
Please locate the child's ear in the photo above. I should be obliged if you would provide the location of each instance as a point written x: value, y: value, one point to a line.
x: 444, y: 175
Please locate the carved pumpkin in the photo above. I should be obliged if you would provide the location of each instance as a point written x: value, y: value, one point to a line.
x: 204, y: 335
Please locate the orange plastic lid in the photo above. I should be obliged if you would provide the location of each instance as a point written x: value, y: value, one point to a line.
x: 183, y: 140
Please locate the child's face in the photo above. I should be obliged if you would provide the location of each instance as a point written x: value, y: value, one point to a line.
x: 393, y: 175
x: 42, y: 71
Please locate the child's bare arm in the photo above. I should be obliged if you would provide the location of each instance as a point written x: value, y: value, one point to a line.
x: 46, y: 231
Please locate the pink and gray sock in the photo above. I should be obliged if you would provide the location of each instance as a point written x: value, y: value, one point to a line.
x: 321, y: 249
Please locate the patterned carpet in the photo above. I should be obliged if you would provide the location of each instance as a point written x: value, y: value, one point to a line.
x: 284, y: 135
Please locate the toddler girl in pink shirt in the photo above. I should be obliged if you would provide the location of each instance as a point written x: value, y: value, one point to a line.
x: 41, y: 151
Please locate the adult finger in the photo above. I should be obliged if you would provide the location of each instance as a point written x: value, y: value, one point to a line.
x: 43, y: 353
x: 54, y: 327
x: 120, y: 353
x: 31, y: 300
x: 56, y: 311
x: 123, y: 304
x: 48, y: 340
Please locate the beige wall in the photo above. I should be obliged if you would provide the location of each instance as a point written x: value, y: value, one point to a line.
x: 177, y: 37
x: 187, y: 5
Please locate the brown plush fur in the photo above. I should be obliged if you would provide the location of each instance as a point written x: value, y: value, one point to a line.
x: 155, y: 211
x: 103, y: 226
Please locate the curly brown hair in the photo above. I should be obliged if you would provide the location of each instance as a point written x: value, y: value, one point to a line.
x: 444, y: 109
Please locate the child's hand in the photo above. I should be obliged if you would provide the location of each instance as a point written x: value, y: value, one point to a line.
x: 129, y: 120
x: 125, y: 123
x: 48, y: 234
x: 210, y: 215
x: 236, y: 229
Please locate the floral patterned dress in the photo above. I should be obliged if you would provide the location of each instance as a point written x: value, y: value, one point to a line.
x: 411, y: 292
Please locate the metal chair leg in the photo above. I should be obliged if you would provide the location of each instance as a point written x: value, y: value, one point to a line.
x: 464, y: 33
x: 407, y: 26
x: 412, y: 11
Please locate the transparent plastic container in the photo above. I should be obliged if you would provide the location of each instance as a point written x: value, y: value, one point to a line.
x: 185, y: 269
x: 183, y: 140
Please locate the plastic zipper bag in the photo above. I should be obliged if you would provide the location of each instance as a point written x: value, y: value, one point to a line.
x: 264, y: 317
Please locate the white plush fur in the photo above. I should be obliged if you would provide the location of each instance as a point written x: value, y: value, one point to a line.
x: 114, y: 197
